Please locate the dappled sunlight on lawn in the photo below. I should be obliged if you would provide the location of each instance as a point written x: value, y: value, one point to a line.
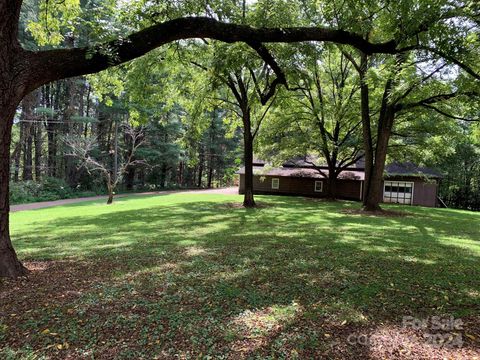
x: 182, y: 275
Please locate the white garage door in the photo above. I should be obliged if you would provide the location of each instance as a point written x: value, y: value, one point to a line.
x: 398, y: 192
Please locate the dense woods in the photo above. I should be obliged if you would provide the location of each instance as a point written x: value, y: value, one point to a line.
x: 175, y: 151
x: 219, y: 82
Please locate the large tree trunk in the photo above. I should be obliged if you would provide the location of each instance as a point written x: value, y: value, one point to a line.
x: 332, y: 184
x: 367, y: 136
x: 10, y: 266
x: 13, y: 84
x: 248, y: 199
x: 371, y: 203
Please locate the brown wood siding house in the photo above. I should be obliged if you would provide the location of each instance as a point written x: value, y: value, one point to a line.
x: 403, y: 183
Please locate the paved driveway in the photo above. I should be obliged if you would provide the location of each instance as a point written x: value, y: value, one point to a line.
x: 44, y: 204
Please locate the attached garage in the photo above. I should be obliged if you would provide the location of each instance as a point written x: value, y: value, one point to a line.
x: 398, y: 192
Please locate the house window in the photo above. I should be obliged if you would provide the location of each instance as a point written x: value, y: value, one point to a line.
x: 398, y: 192
x: 275, y: 183
x: 318, y: 186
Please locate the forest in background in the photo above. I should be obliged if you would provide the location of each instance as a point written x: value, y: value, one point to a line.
x: 182, y: 105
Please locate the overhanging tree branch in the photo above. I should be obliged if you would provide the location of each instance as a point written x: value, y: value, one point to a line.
x: 433, y: 99
x: 52, y: 65
x: 444, y: 113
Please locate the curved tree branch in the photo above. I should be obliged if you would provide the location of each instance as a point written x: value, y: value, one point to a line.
x: 52, y: 65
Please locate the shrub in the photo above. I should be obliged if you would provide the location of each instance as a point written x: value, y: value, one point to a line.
x: 47, y: 189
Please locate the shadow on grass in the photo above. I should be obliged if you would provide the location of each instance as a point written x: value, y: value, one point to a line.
x: 193, y: 278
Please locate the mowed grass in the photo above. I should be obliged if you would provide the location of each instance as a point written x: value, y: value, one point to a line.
x: 193, y: 276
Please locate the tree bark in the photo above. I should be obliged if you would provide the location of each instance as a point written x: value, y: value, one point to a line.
x: 18, y: 153
x: 13, y: 87
x: 38, y: 151
x: 248, y: 198
x: 200, y: 167
x: 130, y: 178
x: 110, y: 197
x: 332, y: 184
x: 10, y: 266
x: 210, y: 173
x: 63, y: 63
x: 366, y: 129
x: 28, y: 106
x: 110, y: 190
x: 373, y: 198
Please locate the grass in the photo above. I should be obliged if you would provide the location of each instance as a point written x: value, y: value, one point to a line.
x: 189, y: 276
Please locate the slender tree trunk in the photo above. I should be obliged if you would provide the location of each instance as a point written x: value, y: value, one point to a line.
x: 110, y: 188
x: 71, y: 99
x: 52, y: 150
x: 29, y: 103
x: 180, y: 174
x: 210, y: 173
x: 38, y: 151
x: 211, y: 150
x: 27, y: 173
x: 130, y: 177
x: 18, y: 153
x: 110, y: 197
x: 248, y: 198
x: 163, y: 175
x: 200, y: 167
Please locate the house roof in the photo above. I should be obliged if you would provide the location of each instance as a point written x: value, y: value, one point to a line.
x: 410, y: 169
x: 304, y: 169
x: 302, y: 172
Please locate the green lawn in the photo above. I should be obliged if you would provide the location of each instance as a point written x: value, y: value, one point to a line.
x: 193, y: 276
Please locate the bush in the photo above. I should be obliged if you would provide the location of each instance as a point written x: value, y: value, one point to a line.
x: 47, y: 189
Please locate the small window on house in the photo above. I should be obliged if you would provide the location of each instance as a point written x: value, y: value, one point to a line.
x: 275, y: 183
x: 318, y: 186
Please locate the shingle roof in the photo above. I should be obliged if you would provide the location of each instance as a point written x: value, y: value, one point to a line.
x: 302, y: 172
x: 410, y: 169
x: 300, y: 168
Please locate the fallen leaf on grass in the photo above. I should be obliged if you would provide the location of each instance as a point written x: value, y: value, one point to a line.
x: 470, y: 336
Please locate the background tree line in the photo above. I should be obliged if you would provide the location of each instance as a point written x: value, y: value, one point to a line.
x: 177, y: 152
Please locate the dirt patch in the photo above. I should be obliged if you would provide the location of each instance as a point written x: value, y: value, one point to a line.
x: 239, y: 205
x: 382, y: 213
